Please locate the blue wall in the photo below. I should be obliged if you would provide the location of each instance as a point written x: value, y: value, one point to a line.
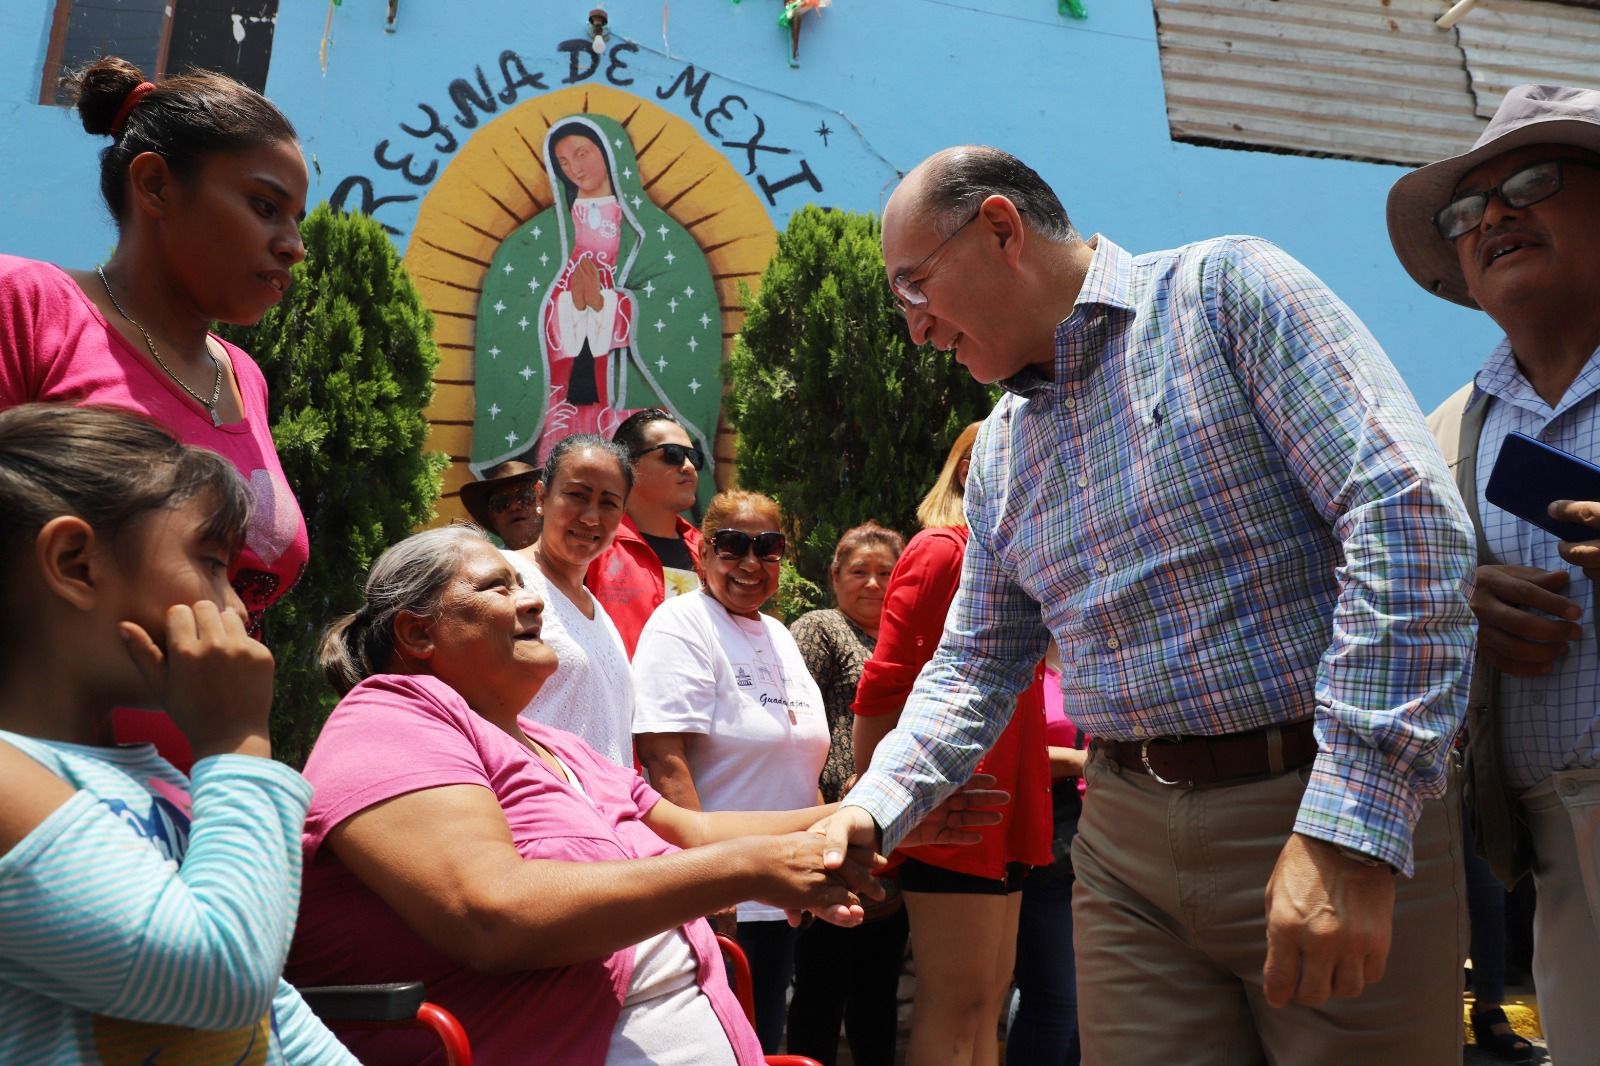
x: 894, y: 80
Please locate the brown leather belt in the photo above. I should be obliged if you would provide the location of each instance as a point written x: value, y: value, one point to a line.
x: 1200, y: 762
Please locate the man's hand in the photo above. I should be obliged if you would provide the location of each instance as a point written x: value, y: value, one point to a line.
x: 848, y: 830
x: 955, y: 821
x: 1330, y: 920
x: 801, y: 876
x: 847, y: 827
x: 1511, y: 636
x: 1584, y: 553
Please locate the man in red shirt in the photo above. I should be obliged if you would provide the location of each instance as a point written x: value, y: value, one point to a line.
x: 655, y: 550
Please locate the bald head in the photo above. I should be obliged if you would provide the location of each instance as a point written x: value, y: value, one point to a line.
x: 947, y: 187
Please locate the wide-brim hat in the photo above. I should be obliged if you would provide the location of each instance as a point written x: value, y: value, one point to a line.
x: 475, y: 494
x: 1530, y: 114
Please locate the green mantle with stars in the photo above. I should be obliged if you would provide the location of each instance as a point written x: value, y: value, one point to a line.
x: 674, y: 355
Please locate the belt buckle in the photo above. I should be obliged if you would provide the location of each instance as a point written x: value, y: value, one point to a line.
x: 1144, y: 757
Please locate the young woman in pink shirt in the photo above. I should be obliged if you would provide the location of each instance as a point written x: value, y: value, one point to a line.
x: 205, y: 182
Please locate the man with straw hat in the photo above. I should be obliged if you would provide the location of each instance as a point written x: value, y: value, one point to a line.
x: 504, y: 504
x: 1513, y: 227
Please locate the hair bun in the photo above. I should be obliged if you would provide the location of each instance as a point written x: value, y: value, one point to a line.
x: 101, y: 88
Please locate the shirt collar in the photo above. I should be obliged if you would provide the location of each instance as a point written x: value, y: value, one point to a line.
x: 1501, y: 377
x: 1108, y: 284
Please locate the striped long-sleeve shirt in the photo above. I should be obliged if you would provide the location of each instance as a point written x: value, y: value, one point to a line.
x: 147, y: 919
x: 1227, y: 510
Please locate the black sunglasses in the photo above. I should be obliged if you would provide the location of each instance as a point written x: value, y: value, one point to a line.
x: 675, y: 454
x: 1531, y: 185
x: 735, y: 543
x: 501, y: 502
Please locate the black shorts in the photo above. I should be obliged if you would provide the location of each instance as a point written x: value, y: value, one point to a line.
x: 914, y: 876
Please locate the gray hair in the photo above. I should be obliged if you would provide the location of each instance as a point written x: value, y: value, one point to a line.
x: 959, y: 179
x: 411, y: 576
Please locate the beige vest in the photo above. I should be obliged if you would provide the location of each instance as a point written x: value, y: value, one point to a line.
x: 1497, y: 817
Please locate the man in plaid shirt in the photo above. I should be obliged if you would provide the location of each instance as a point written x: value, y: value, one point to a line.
x: 1210, y: 486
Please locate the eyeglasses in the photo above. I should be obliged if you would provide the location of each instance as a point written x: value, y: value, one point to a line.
x: 735, y: 543
x: 1528, y: 186
x: 675, y: 454
x: 501, y: 502
x: 908, y: 293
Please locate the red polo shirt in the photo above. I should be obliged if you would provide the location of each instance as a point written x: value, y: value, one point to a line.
x: 628, y: 581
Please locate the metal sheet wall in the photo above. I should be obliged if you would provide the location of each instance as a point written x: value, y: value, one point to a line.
x: 1364, y: 79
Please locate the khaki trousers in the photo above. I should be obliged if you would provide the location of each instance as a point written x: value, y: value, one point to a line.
x: 1170, y: 927
x: 1564, y: 813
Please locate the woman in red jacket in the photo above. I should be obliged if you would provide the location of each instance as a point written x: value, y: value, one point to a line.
x: 963, y: 902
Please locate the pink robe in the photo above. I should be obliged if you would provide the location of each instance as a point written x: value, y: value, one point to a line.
x: 597, y: 231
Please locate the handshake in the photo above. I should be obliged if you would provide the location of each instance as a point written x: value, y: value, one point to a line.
x: 829, y: 870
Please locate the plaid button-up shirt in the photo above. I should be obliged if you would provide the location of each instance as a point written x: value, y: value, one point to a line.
x: 1227, y: 510
x: 1550, y: 722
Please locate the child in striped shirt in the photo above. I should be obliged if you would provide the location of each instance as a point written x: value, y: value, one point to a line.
x: 144, y: 916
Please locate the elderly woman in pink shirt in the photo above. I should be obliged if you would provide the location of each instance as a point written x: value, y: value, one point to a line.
x: 537, y: 888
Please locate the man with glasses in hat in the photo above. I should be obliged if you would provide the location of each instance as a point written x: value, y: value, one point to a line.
x: 653, y: 557
x: 503, y: 503
x: 1513, y: 227
x: 1209, y: 485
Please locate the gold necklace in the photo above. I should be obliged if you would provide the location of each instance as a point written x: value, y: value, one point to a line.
x: 216, y: 385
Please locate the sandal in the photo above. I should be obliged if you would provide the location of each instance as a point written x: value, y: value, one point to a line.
x: 1494, y: 1034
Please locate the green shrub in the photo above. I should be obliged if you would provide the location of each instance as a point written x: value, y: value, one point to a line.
x: 840, y: 417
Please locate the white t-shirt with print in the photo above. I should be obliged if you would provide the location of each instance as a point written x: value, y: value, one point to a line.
x: 742, y: 688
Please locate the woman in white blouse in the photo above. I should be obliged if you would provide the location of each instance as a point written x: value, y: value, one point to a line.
x: 581, y: 496
x: 728, y: 717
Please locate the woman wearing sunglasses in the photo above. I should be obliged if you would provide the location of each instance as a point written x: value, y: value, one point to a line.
x: 727, y: 717
x: 963, y: 903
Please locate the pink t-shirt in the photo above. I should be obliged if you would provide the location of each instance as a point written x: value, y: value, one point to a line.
x: 1059, y: 730
x: 395, y: 734
x: 56, y: 346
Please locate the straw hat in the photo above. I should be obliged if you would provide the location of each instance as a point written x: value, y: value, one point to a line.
x: 475, y: 494
x: 1530, y: 114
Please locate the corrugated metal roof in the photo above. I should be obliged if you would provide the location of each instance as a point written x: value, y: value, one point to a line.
x: 1366, y: 79
x: 1513, y: 42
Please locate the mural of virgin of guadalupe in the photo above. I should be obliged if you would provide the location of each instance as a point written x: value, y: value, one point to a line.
x: 596, y: 307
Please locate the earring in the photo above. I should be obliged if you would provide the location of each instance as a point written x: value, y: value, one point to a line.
x: 538, y: 510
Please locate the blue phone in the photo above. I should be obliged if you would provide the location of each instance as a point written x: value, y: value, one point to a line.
x: 1529, y: 476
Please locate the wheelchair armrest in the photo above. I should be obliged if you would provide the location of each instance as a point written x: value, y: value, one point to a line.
x: 397, y: 1002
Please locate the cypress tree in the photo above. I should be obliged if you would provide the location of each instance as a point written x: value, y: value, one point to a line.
x: 840, y: 417
x: 348, y: 356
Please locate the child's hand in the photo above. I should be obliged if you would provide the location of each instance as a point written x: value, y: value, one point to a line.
x: 214, y: 680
